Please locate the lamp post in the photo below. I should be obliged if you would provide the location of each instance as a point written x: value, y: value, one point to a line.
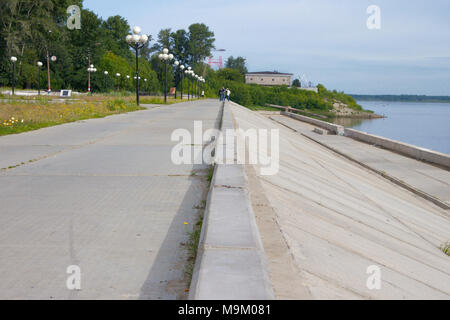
x: 90, y: 69
x: 13, y: 60
x: 145, y: 87
x: 187, y: 76
x: 189, y: 72
x: 165, y: 57
x: 53, y: 58
x: 106, y: 80
x: 39, y: 64
x: 182, y: 76
x: 193, y: 84
x: 118, y: 81
x: 197, y: 84
x: 204, y: 86
x: 137, y: 42
x: 176, y: 64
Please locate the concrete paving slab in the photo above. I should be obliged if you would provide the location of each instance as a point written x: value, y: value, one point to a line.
x: 231, y: 269
x: 110, y: 201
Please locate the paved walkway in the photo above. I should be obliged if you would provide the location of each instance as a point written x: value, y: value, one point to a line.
x: 102, y: 194
x: 328, y: 220
x: 425, y: 177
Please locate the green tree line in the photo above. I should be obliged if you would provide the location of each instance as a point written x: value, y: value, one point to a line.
x: 255, y: 95
x: 32, y: 29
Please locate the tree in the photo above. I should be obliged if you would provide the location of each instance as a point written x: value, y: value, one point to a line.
x: 180, y: 45
x: 238, y: 63
x: 164, y: 40
x: 296, y: 83
x: 201, y: 42
x: 113, y: 33
x: 230, y: 74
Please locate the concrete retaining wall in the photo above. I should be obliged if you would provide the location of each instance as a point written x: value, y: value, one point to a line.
x: 231, y: 263
x: 400, y: 147
x: 334, y: 128
x: 412, y: 151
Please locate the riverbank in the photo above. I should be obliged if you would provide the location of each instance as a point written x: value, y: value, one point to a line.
x: 339, y: 113
x: 420, y: 124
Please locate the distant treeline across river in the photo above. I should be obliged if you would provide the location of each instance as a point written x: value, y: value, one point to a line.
x: 402, y: 98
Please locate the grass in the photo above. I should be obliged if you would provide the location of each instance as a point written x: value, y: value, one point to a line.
x: 446, y: 248
x: 193, y: 242
x: 210, y: 174
x: 19, y: 116
x: 158, y: 100
x: 192, y: 248
x: 262, y: 108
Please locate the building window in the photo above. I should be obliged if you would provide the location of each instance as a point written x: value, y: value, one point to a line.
x: 273, y: 79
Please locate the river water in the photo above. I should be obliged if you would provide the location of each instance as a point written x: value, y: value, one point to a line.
x: 422, y: 124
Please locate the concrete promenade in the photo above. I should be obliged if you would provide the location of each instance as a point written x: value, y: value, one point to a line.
x: 324, y: 220
x: 425, y: 177
x: 102, y: 194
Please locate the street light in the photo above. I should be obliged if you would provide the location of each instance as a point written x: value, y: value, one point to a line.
x: 189, y: 73
x: 106, y: 79
x: 165, y: 57
x: 197, y: 77
x: 193, y: 85
x: 118, y: 81
x: 90, y: 69
x: 53, y: 59
x: 13, y: 60
x: 39, y: 64
x: 145, y: 87
x: 182, y: 76
x: 137, y: 42
x: 176, y: 64
x: 204, y: 85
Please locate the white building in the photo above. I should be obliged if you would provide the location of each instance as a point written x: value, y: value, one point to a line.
x: 267, y: 78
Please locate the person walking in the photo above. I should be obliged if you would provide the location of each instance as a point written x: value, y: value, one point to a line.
x: 228, y: 92
x: 222, y: 94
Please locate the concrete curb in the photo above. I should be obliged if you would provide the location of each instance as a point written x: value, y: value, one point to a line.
x: 231, y: 263
x: 409, y: 150
x: 334, y: 128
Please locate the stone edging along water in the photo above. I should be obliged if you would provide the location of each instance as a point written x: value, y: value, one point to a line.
x: 409, y: 150
x: 412, y: 151
x: 231, y: 263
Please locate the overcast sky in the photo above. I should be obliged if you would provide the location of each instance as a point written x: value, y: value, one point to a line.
x: 326, y: 40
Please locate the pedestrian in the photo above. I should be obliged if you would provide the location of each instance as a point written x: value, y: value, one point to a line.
x: 228, y: 94
x: 203, y: 94
x: 222, y: 94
